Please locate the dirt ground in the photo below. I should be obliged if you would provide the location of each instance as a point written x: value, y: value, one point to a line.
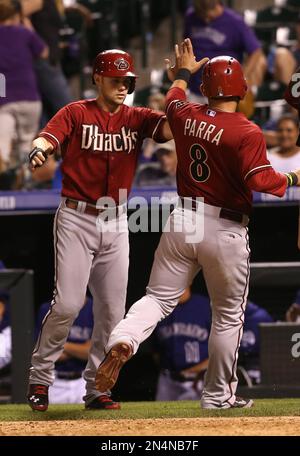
x: 260, y: 426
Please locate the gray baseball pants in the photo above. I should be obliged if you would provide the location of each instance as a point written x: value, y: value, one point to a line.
x: 86, y: 254
x: 222, y: 253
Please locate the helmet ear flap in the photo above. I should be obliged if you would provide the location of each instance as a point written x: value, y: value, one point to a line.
x: 131, y: 87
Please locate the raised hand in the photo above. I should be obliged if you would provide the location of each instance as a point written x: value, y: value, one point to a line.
x: 184, y: 58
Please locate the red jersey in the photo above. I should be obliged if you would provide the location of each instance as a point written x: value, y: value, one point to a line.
x: 219, y: 153
x: 99, y: 149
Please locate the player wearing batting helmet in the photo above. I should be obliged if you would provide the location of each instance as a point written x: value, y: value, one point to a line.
x: 221, y: 159
x: 223, y: 77
x: 115, y: 64
x: 100, y: 141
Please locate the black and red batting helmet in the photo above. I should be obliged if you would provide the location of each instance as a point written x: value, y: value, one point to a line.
x: 115, y: 63
x: 223, y: 77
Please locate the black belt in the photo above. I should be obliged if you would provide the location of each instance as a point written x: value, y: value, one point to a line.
x: 68, y: 375
x: 227, y: 214
x: 91, y: 209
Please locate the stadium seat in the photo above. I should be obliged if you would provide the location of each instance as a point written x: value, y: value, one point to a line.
x: 269, y: 19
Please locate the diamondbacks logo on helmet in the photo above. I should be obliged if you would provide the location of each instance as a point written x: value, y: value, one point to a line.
x: 115, y: 63
x: 121, y: 64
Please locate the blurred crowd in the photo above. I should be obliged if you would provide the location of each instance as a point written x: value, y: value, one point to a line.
x: 47, y: 49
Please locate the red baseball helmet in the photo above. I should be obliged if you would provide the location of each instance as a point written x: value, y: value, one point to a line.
x: 223, y: 77
x: 115, y: 63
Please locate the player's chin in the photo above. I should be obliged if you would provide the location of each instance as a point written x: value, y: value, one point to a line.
x: 119, y: 99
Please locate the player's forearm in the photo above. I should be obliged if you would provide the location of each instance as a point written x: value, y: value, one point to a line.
x: 175, y: 93
x: 179, y: 84
x: 79, y: 351
x: 268, y: 181
x: 44, y: 144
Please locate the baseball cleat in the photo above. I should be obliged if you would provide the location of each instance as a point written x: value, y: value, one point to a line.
x: 108, y: 371
x: 38, y: 397
x: 103, y: 402
x: 239, y: 403
x: 242, y: 403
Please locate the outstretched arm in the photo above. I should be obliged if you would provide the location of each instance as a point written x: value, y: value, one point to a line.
x: 273, y: 182
x: 179, y: 73
x: 185, y: 64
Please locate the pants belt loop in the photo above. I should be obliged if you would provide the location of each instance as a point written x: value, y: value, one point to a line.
x: 246, y: 220
x: 81, y: 205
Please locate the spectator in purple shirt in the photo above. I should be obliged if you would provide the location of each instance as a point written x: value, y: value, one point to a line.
x: 20, y: 107
x: 216, y: 30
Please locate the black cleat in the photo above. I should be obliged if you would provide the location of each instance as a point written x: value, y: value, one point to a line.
x: 103, y: 403
x: 38, y: 397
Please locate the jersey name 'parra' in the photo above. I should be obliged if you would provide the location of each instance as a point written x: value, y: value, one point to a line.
x: 203, y: 130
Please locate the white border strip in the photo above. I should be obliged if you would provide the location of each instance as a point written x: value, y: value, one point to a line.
x: 157, y: 125
x: 258, y: 167
x: 173, y: 101
x: 52, y: 136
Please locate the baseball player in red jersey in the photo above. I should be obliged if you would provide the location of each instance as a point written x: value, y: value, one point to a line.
x: 221, y: 158
x: 100, y: 141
